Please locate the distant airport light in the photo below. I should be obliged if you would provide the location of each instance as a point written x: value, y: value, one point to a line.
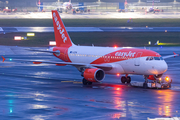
x: 6, y: 7
x: 22, y: 38
x: 52, y: 42
x: 157, y: 42
x: 149, y: 43
x: 146, y: 26
x: 165, y: 30
x: 30, y: 34
x: 17, y: 37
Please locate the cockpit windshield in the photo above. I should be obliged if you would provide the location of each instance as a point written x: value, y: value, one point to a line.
x: 153, y: 58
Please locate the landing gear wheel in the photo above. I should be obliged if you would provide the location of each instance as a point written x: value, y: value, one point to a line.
x: 128, y: 79
x: 169, y: 85
x: 89, y: 83
x: 145, y: 85
x: 123, y: 79
x: 84, y: 81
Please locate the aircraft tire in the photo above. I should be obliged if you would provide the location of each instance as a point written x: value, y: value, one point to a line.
x: 123, y: 79
x: 170, y: 85
x: 84, y: 81
x: 145, y: 85
x: 128, y: 79
x: 89, y: 83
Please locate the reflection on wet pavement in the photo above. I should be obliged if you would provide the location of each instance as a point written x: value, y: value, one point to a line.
x: 51, y: 92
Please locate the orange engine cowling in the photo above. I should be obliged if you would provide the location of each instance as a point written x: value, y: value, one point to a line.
x: 94, y: 74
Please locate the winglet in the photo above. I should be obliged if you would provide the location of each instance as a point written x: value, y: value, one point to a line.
x: 175, y: 54
x: 3, y: 59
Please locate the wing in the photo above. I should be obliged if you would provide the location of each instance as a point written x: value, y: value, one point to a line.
x: 150, y: 6
x: 85, y: 6
x: 102, y: 66
x: 46, y: 51
x: 165, y: 57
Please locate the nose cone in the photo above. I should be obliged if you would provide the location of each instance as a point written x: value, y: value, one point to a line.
x: 162, y: 67
x: 158, y: 67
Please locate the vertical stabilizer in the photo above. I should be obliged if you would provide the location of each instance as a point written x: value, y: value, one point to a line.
x: 61, y: 36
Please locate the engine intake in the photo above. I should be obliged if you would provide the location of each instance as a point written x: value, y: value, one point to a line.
x: 94, y: 74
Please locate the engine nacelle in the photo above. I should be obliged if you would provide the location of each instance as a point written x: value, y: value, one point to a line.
x: 94, y: 74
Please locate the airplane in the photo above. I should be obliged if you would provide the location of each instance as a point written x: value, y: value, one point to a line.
x: 94, y: 62
x: 152, y: 8
x: 9, y: 10
x: 66, y: 6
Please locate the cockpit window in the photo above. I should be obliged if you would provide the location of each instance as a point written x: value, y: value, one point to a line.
x: 157, y: 58
x: 161, y: 58
x: 153, y: 58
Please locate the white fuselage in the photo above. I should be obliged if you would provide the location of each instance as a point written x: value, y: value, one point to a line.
x: 67, y: 5
x: 127, y: 62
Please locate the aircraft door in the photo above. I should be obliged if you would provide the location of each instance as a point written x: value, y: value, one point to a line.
x: 137, y: 60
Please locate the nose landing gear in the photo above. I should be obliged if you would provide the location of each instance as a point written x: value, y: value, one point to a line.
x: 85, y: 82
x: 145, y: 85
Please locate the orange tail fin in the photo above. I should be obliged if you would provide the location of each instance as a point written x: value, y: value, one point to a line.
x: 61, y: 36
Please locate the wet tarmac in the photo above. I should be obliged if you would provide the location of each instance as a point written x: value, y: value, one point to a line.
x: 46, y: 92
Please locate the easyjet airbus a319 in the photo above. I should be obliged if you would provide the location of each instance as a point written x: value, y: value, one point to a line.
x: 94, y: 62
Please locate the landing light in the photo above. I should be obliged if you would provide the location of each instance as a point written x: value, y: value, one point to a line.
x: 167, y: 78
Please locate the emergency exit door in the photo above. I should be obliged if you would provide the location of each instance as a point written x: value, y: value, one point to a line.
x: 137, y: 60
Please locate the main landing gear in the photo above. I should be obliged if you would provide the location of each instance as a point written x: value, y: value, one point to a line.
x: 126, y: 79
x: 85, y: 82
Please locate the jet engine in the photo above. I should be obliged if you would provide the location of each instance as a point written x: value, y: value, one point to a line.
x: 94, y: 74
